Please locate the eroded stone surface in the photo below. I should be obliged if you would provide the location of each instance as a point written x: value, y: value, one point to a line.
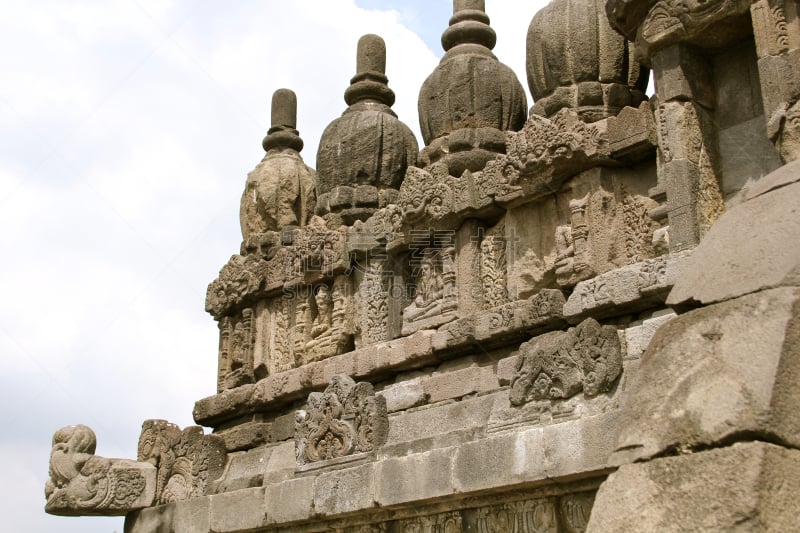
x: 728, y: 489
x: 714, y: 374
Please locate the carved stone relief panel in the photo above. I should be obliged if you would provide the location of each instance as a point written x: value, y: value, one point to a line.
x: 607, y: 224
x: 559, y: 365
x: 432, y: 261
x: 187, y: 461
x: 237, y: 338
x: 329, y: 327
x: 277, y: 333
x: 493, y: 267
x: 347, y: 419
x: 372, y: 298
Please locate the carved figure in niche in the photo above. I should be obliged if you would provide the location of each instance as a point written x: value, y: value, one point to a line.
x: 82, y: 483
x: 236, y: 351
x: 322, y: 322
x: 572, y: 254
x: 429, y: 292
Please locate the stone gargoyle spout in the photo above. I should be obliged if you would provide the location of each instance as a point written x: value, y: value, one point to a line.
x: 82, y: 483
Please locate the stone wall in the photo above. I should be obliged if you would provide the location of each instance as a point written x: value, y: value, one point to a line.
x: 537, y: 323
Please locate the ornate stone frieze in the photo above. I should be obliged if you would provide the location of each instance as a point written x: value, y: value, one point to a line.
x: 347, y: 420
x: 559, y: 365
x: 625, y: 289
x: 548, y: 151
x: 187, y: 461
x: 514, y: 320
x: 241, y: 276
x: 82, y: 483
x: 313, y: 253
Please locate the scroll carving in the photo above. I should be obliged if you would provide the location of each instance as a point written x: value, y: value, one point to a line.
x: 82, y: 483
x: 187, y: 461
x: 374, y: 295
x: 346, y: 419
x: 493, y: 268
x: 559, y: 365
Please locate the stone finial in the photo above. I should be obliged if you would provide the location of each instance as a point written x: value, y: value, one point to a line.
x: 370, y: 81
x: 576, y: 60
x: 280, y: 191
x: 471, y: 93
x: 469, y: 24
x: 283, y: 133
x: 367, y: 147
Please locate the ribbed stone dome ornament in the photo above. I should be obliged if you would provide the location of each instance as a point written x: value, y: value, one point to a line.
x: 576, y: 60
x: 279, y: 192
x: 363, y: 155
x: 471, y: 97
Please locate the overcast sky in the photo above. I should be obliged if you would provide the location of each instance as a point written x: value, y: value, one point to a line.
x: 128, y: 128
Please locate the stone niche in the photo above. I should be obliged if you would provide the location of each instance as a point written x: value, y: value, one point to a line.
x: 598, y: 221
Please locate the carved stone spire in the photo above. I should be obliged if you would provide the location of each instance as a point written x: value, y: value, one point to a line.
x: 471, y: 93
x: 367, y: 147
x: 280, y: 191
x: 576, y: 60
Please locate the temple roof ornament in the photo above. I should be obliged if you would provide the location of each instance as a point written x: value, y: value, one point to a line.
x: 279, y: 192
x: 470, y: 90
x: 367, y: 145
x: 575, y: 60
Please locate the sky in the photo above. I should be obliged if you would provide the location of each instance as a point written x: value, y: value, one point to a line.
x: 127, y: 129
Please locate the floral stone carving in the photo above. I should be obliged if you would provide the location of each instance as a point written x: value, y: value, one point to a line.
x: 347, y: 419
x: 82, y: 483
x: 187, y: 461
x: 559, y: 365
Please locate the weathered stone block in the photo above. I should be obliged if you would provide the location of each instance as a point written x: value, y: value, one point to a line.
x: 290, y: 500
x: 681, y: 74
x: 638, y: 336
x: 344, y: 491
x: 458, y: 383
x: 245, y: 470
x: 403, y: 395
x: 730, y: 261
x: 245, y: 436
x: 426, y: 424
x: 281, y: 463
x: 714, y: 373
x: 239, y: 510
x: 191, y: 516
x: 745, y: 487
x: 417, y: 477
x: 157, y: 519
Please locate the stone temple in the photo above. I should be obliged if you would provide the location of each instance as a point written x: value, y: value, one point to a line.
x: 582, y: 316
